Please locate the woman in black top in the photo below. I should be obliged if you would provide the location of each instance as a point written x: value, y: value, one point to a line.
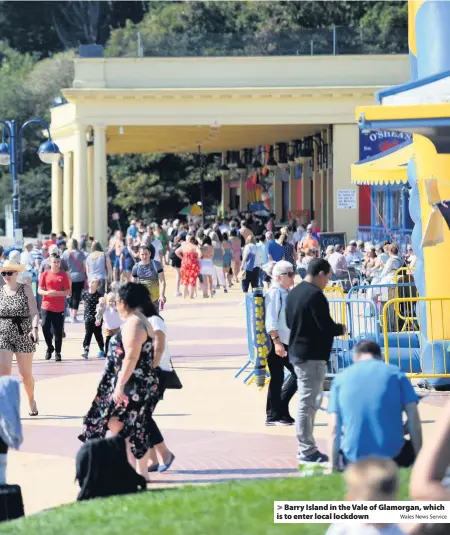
x: 176, y: 263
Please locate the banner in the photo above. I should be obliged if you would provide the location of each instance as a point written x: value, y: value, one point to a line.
x: 368, y: 512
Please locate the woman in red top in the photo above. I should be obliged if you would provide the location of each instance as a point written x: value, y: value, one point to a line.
x: 54, y: 286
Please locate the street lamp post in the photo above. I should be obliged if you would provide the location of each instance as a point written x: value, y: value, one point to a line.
x: 11, y: 154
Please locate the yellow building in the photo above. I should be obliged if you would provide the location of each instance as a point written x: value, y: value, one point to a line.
x: 148, y: 105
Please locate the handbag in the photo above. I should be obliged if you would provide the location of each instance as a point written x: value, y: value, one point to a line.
x: 11, y: 502
x: 170, y: 378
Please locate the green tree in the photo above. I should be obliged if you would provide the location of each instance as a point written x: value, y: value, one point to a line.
x: 27, y: 88
x: 46, y: 27
x: 255, y: 28
x: 159, y: 185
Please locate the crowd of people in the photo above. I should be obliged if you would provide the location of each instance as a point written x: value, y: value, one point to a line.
x: 123, y: 290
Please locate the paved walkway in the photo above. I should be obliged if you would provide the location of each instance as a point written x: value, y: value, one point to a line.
x: 214, y: 425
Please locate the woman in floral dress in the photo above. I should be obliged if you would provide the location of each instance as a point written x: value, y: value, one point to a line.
x: 128, y: 389
x: 190, y: 265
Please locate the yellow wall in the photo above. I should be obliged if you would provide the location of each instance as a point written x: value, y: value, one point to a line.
x: 241, y: 72
x: 345, y: 152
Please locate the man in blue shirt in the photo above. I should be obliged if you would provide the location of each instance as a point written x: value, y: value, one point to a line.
x: 366, y: 404
x: 275, y: 251
x: 132, y: 229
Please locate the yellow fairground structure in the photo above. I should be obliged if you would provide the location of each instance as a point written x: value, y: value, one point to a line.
x: 421, y: 107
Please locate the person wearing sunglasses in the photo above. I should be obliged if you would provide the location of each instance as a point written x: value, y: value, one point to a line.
x: 279, y: 395
x: 19, y: 328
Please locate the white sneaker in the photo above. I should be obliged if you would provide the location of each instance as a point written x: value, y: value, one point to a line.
x: 178, y: 294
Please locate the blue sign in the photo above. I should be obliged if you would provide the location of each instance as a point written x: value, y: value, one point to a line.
x: 377, y: 141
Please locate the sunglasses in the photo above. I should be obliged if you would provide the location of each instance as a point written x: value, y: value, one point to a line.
x: 8, y: 273
x: 289, y: 274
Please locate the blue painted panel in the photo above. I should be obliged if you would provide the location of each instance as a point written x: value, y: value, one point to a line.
x: 433, y: 37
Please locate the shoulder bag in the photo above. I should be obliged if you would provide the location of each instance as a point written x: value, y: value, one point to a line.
x: 170, y: 379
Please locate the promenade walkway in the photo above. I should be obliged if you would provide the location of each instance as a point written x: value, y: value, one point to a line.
x: 214, y: 425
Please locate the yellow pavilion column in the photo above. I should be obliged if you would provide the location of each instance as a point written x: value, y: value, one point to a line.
x: 68, y: 193
x: 306, y: 187
x: 277, y: 189
x: 80, y: 189
x: 225, y: 202
x: 345, y: 194
x: 57, y: 197
x: 292, y: 189
x: 243, y: 199
x: 317, y: 185
x: 90, y: 186
x: 324, y: 183
x: 225, y: 195
x: 329, y: 178
x: 100, y: 185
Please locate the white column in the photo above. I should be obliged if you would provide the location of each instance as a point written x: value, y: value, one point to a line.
x: 91, y: 196
x: 100, y: 186
x: 68, y: 193
x: 345, y: 152
x: 57, y: 197
x: 80, y: 190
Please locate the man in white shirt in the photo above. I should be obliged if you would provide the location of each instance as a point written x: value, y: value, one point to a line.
x: 225, y: 226
x: 338, y: 263
x: 149, y: 239
x: 26, y: 258
x: 279, y: 392
x: 352, y: 255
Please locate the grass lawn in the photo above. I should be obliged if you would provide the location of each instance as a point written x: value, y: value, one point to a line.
x: 221, y: 509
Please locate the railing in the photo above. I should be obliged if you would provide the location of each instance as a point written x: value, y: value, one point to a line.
x: 301, y: 42
x: 420, y: 345
x: 378, y: 235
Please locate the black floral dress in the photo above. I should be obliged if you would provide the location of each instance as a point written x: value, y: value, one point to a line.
x: 142, y: 392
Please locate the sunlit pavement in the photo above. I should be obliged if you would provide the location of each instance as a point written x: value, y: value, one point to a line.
x: 214, y: 425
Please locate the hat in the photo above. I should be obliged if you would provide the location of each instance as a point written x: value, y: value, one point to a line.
x: 12, y: 265
x: 353, y: 242
x: 27, y: 244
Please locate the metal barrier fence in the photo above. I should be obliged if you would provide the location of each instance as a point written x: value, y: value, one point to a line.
x: 419, y: 342
x: 360, y: 325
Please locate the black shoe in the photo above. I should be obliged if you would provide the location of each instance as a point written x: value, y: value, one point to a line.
x: 315, y: 457
x: 287, y: 420
x: 64, y: 334
x: 48, y: 355
x: 271, y: 422
x: 57, y: 357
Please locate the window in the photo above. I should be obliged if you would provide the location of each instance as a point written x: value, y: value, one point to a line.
x: 380, y: 207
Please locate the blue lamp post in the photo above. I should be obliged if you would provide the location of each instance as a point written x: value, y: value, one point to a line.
x: 11, y: 154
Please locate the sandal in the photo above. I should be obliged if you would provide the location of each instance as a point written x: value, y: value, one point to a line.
x: 34, y: 410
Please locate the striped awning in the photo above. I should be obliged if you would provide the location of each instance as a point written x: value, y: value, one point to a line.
x: 388, y: 167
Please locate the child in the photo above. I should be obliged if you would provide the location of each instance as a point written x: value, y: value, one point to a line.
x: 91, y: 300
x: 107, y: 311
x: 370, y: 479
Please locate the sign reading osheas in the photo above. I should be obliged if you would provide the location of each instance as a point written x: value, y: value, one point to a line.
x: 376, y: 141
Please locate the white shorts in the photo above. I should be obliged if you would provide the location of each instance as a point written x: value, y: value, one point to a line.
x: 206, y: 266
